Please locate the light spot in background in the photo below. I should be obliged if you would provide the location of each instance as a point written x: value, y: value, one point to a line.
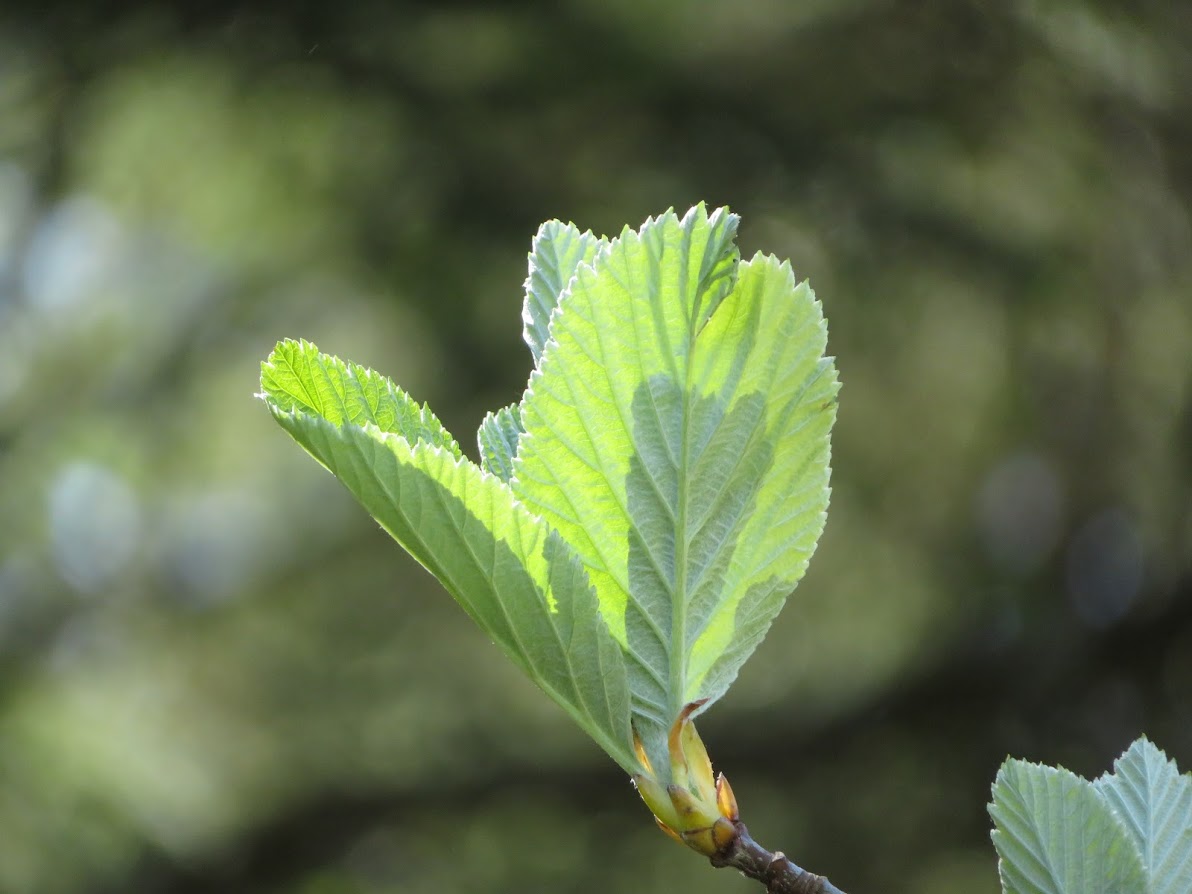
x: 1105, y: 565
x: 71, y: 255
x: 212, y: 546
x: 95, y: 525
x: 1018, y: 512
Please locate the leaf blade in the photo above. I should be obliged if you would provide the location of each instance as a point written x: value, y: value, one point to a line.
x: 1155, y: 801
x: 645, y: 392
x: 556, y: 252
x: 783, y: 357
x: 613, y: 330
x: 1055, y: 835
x: 497, y: 440
x: 509, y: 570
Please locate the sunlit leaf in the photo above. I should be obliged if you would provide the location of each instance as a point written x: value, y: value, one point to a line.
x: 514, y: 575
x: 558, y: 249
x: 677, y: 436
x: 497, y: 439
x: 671, y: 450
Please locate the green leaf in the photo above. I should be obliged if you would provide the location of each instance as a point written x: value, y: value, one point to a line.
x: 653, y: 499
x: 556, y: 252
x: 498, y: 441
x: 1055, y: 834
x: 1148, y: 792
x: 677, y: 436
x: 508, y: 569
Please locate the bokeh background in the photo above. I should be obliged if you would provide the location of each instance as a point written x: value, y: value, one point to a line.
x: 217, y: 674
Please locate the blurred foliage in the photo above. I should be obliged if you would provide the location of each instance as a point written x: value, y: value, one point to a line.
x: 216, y: 674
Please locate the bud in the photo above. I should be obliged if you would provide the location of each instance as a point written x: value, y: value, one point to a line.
x: 713, y: 840
x: 726, y: 800
x: 693, y: 813
x: 640, y: 750
x: 658, y: 800
x: 687, y: 751
x: 695, y: 809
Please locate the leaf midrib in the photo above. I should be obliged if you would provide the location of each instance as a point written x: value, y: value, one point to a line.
x: 676, y: 657
x: 683, y: 536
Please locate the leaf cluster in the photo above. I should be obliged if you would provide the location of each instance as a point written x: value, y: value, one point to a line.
x: 639, y: 517
x: 1128, y: 832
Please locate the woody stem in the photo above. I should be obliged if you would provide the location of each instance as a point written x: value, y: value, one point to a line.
x: 772, y: 869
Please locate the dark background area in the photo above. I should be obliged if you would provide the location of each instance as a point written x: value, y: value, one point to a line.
x: 217, y: 674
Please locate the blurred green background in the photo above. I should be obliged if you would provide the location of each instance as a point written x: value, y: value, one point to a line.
x: 217, y: 674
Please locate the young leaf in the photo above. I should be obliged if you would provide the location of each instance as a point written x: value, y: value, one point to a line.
x: 1148, y: 792
x: 650, y: 502
x: 498, y: 441
x: 555, y: 253
x: 514, y: 575
x: 677, y: 436
x: 1054, y: 834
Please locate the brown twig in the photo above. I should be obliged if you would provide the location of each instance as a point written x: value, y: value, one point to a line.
x: 772, y: 869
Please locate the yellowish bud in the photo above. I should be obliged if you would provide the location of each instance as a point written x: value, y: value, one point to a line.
x: 693, y: 813
x: 726, y: 801
x: 640, y: 750
x: 713, y: 840
x: 699, y: 766
x: 695, y: 809
x: 682, y: 772
x: 658, y: 800
x: 724, y: 833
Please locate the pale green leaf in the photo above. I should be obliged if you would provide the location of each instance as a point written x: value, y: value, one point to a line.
x: 1148, y: 792
x: 677, y: 436
x: 508, y: 569
x: 672, y: 449
x: 1054, y: 834
x: 498, y: 441
x: 557, y: 250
